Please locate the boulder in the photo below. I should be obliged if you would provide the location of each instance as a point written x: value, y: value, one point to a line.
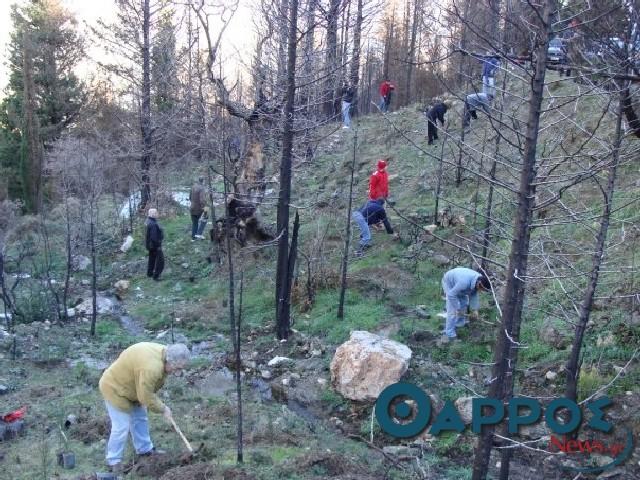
x: 122, y: 287
x: 552, y: 335
x: 103, y: 305
x: 607, y: 340
x: 275, y: 361
x: 366, y: 364
x: 126, y: 245
x: 80, y: 262
x: 440, y: 260
x: 538, y: 430
x: 464, y: 407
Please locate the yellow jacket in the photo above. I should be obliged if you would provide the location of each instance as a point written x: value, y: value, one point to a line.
x: 135, y: 377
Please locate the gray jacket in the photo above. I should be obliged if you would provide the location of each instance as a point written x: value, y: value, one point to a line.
x: 460, y: 283
x: 479, y: 100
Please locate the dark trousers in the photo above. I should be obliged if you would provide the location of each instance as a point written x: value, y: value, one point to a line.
x: 194, y: 225
x: 156, y: 263
x: 432, y: 130
x: 469, y: 113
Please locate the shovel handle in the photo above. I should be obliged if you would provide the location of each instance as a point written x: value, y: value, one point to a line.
x: 184, y: 439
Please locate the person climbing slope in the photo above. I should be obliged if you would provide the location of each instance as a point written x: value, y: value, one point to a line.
x: 371, y: 213
x: 472, y: 103
x: 386, y: 89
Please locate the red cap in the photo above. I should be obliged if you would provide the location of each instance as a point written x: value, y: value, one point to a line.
x: 382, y: 165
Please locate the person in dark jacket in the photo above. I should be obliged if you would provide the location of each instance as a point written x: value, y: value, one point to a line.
x: 434, y: 114
x: 153, y: 242
x: 371, y: 213
x: 198, y: 200
x: 348, y: 93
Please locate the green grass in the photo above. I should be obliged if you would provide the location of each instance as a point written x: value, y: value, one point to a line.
x: 360, y: 314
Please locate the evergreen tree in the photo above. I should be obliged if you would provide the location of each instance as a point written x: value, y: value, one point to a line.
x: 54, y: 49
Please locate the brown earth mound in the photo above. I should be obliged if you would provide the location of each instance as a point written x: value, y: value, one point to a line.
x: 205, y: 471
x: 90, y: 429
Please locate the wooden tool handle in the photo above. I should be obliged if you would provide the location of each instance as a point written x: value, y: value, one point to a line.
x: 184, y: 439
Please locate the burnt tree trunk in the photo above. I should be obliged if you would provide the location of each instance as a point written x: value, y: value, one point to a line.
x: 284, y: 197
x: 411, y: 51
x: 354, y: 74
x: 630, y: 113
x: 145, y: 108
x: 94, y: 274
x: 238, y: 362
x: 573, y: 365
x: 347, y: 240
x: 506, y: 349
x: 486, y: 231
x: 69, y: 259
x: 331, y: 67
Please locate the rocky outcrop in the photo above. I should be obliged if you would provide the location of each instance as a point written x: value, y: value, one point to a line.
x: 366, y: 364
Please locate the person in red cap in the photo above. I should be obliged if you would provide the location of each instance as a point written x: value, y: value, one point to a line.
x: 379, y: 182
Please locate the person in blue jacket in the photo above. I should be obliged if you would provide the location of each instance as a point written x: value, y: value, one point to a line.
x: 461, y: 286
x: 490, y: 66
x: 371, y: 213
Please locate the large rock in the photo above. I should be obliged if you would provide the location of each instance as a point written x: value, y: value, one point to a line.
x: 440, y: 260
x: 103, y: 305
x: 464, y: 405
x: 121, y: 287
x: 126, y: 245
x: 552, y: 335
x: 80, y: 262
x: 366, y: 364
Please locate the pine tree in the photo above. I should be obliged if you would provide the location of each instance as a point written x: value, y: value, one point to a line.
x: 54, y: 49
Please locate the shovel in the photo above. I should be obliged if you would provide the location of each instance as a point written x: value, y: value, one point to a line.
x: 184, y: 439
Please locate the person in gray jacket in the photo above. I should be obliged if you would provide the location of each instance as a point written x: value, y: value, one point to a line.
x: 461, y: 286
x: 472, y: 103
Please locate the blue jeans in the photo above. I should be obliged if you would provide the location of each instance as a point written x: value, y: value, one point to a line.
x: 122, y: 423
x: 194, y: 225
x: 346, y: 116
x: 384, y: 106
x: 201, y: 226
x: 488, y: 85
x: 365, y: 233
x: 453, y: 321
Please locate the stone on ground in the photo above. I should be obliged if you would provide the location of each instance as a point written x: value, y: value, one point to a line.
x: 366, y: 364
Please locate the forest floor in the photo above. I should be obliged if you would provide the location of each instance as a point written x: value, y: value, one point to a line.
x: 295, y: 425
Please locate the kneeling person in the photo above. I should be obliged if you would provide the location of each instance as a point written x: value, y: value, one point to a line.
x: 461, y: 286
x: 129, y: 388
